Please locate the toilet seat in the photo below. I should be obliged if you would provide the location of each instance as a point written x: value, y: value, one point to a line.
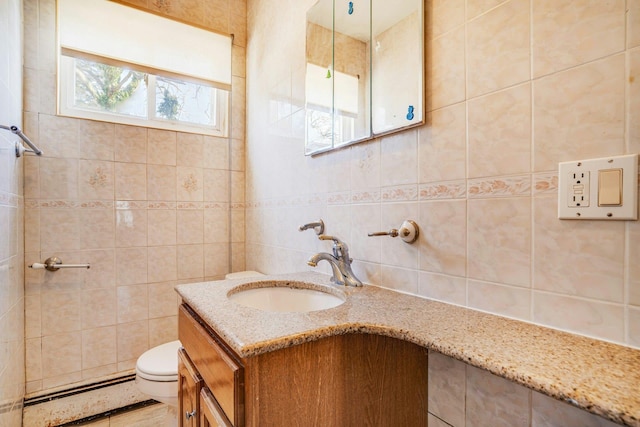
x: 159, y: 363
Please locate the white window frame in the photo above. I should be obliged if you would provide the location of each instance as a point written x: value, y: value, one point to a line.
x: 66, y: 96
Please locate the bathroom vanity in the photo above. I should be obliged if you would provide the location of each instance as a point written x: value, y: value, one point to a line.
x: 365, y: 361
x: 343, y: 380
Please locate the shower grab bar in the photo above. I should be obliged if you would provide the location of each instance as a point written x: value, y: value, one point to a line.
x: 20, y: 149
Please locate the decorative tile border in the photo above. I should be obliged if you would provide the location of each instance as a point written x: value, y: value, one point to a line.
x: 513, y: 186
x: 365, y: 196
x: 339, y: 198
x: 400, y: 193
x: 545, y: 183
x: 443, y: 190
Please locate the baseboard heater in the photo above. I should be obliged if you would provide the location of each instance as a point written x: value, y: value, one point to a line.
x: 86, y: 402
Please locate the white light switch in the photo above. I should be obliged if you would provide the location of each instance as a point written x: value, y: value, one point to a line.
x: 610, y: 187
x: 605, y: 188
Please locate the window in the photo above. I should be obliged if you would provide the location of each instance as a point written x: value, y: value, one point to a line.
x: 122, y: 65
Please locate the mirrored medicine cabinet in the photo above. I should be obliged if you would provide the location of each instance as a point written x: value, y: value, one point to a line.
x: 365, y: 71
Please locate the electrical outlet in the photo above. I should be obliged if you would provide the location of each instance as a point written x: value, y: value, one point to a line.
x: 604, y: 188
x: 578, y: 189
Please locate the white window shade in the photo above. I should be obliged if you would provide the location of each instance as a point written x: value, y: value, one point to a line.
x: 320, y: 90
x: 110, y: 30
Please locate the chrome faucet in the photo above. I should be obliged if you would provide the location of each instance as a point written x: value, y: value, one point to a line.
x: 339, y: 261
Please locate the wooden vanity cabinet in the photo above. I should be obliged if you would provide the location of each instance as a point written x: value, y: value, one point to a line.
x: 351, y: 380
x: 189, y: 385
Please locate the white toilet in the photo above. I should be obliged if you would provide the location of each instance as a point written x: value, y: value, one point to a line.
x: 157, y: 368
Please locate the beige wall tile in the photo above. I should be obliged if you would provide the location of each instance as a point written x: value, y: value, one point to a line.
x: 98, y: 307
x: 133, y: 340
x: 61, y: 354
x: 96, y: 228
x: 477, y: 7
x: 102, y: 273
x: 442, y: 145
x: 162, y: 264
x: 162, y: 227
x: 434, y: 421
x: 216, y: 224
x: 634, y: 326
x: 365, y: 166
x: 130, y: 181
x: 500, y: 133
x: 162, y: 300
x: 399, y: 279
x: 588, y: 317
x: 507, y: 301
x: 190, y: 261
x: 190, y: 150
x: 58, y: 136
x: 584, y: 258
x: 444, y: 16
x: 131, y: 265
x: 216, y: 185
x: 549, y: 412
x: 494, y: 401
x: 392, y: 215
x: 95, y: 180
x: 216, y: 152
x: 567, y: 33
x: 190, y: 226
x: 633, y: 109
x: 443, y: 236
x: 98, y: 347
x: 579, y: 113
x: 58, y: 178
x: 131, y: 227
x: 161, y: 183
x: 499, y: 243
x: 60, y: 312
x: 502, y: 34
x: 365, y: 219
x: 130, y: 144
x: 163, y: 330
x: 445, y: 57
x: 216, y: 259
x: 133, y: 303
x: 161, y: 147
x: 443, y: 288
x: 399, y: 149
x: 189, y: 184
x: 447, y: 385
x: 633, y: 23
x: 633, y: 239
x: 96, y: 140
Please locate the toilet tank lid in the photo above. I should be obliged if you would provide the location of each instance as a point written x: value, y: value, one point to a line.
x: 160, y: 361
x: 243, y: 275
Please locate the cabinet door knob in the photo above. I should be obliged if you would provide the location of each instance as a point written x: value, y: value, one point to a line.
x: 190, y: 415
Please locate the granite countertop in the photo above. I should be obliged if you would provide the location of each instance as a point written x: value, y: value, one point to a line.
x: 598, y: 376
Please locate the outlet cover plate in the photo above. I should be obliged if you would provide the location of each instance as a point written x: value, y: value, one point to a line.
x: 566, y: 184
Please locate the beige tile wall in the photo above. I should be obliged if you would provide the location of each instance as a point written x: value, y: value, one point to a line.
x: 12, y: 364
x: 514, y: 87
x: 461, y: 395
x: 146, y: 208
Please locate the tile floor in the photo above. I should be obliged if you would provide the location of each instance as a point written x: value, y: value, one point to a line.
x: 149, y: 416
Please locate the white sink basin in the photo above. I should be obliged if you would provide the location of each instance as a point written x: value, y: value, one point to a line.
x: 284, y: 297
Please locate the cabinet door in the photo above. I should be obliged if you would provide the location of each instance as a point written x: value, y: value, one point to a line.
x: 211, y: 414
x: 189, y: 386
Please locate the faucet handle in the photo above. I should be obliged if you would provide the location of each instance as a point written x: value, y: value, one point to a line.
x: 327, y: 237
